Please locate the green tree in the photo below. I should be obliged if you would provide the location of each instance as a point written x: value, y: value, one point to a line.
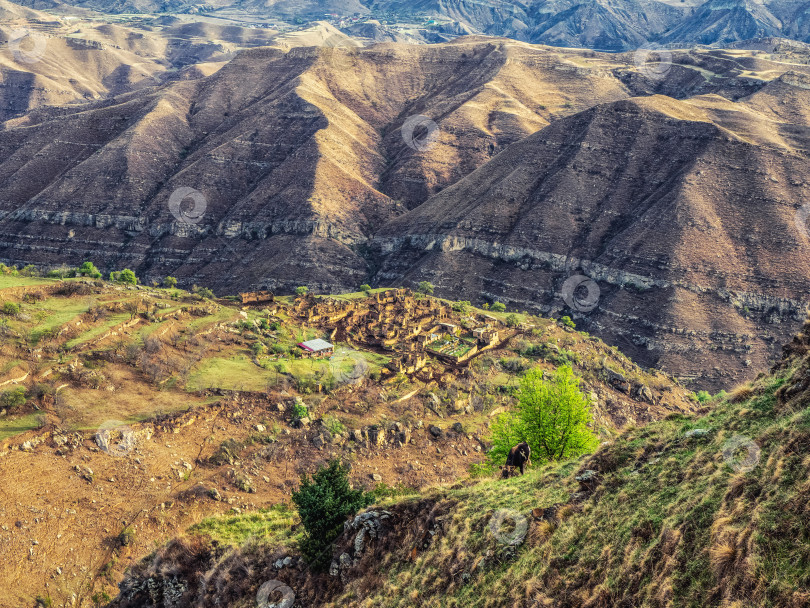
x: 324, y: 502
x: 462, y: 306
x: 301, y: 291
x: 170, y: 282
x: 425, y: 287
x: 512, y: 320
x: 498, y: 306
x: 552, y: 417
x: 566, y: 320
x: 127, y: 276
x: 88, y: 269
x: 12, y: 398
x: 365, y: 287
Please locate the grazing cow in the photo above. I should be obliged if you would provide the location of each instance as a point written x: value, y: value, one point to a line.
x: 520, y: 457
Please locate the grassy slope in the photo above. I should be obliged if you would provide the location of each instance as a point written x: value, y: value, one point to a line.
x: 673, y: 522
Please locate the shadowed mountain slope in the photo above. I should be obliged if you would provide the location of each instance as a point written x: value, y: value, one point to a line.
x: 676, y: 209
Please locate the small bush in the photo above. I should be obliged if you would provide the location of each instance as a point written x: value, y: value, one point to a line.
x: 498, y: 306
x: 299, y: 410
x: 333, y: 425
x: 10, y: 309
x: 127, y: 537
x: 324, y: 502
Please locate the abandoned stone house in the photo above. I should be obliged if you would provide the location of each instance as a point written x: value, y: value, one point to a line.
x: 402, y: 325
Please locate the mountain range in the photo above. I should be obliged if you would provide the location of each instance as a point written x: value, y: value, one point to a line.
x: 611, y: 25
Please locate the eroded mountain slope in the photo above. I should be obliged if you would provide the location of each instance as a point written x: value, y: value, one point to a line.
x: 299, y: 156
x: 683, y: 212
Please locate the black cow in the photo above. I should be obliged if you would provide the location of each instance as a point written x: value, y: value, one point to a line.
x: 520, y: 457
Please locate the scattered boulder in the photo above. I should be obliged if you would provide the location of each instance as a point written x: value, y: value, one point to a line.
x: 85, y: 473
x: 458, y: 427
x: 646, y: 394
x: 435, y: 431
x: 588, y: 480
x: 696, y: 433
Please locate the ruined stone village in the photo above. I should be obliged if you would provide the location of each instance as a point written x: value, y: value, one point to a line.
x: 409, y: 329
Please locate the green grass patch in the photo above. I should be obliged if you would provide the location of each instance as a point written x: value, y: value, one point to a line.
x: 7, y: 281
x: 269, y: 525
x: 14, y: 425
x: 236, y: 373
x: 98, y: 331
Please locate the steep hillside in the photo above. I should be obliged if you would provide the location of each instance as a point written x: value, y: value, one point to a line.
x: 299, y: 156
x: 724, y: 21
x: 678, y: 210
x: 300, y: 166
x: 127, y: 414
x: 692, y: 511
